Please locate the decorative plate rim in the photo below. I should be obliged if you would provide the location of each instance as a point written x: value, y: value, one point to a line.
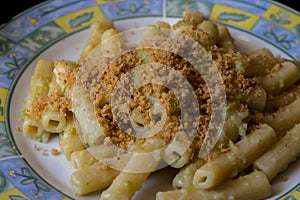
x: 7, y: 85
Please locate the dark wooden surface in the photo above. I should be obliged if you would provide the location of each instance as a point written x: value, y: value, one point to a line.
x: 11, y: 8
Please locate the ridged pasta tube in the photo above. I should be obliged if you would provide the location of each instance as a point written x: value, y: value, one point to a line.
x: 88, y: 127
x: 184, y: 178
x: 92, y: 178
x: 39, y: 88
x: 260, y: 61
x: 277, y: 158
x: 254, y: 186
x: 112, y: 43
x: 227, y: 165
x: 94, y: 38
x: 54, y: 121
x: 124, y: 186
x: 257, y: 98
x: 282, y: 99
x: 82, y: 158
x: 225, y: 39
x: 70, y: 142
x: 63, y: 73
x: 137, y: 169
x: 280, y: 79
x: 193, y: 17
x: 284, y: 118
x: 176, y: 154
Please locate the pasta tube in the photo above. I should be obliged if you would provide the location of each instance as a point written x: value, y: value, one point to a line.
x: 254, y: 186
x: 94, y: 39
x: 282, y: 99
x: 39, y: 88
x: 256, y: 143
x: 184, y: 178
x: 193, y: 17
x: 256, y: 99
x: 235, y: 122
x: 225, y: 39
x: 151, y: 31
x: 70, y: 142
x: 211, y: 30
x: 88, y: 126
x: 65, y: 79
x: 130, y: 179
x: 54, y: 88
x: 112, y: 43
x: 176, y: 154
x: 124, y: 186
x: 54, y: 121
x: 285, y: 75
x: 81, y: 159
x: 137, y: 169
x: 260, y: 61
x: 228, y: 165
x: 277, y: 158
x: 285, y: 118
x: 33, y: 128
x: 92, y: 178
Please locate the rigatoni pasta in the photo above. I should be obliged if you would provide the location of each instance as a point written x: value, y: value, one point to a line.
x: 39, y: 88
x: 283, y: 76
x: 92, y: 178
x: 184, y: 178
x: 227, y: 165
x: 70, y: 142
x: 284, y: 98
x: 285, y: 117
x: 241, y: 188
x: 82, y: 158
x: 279, y: 156
x: 260, y: 61
x: 95, y: 37
x: 77, y: 100
x: 125, y: 185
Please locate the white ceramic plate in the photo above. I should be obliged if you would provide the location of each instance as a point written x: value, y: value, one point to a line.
x: 59, y: 29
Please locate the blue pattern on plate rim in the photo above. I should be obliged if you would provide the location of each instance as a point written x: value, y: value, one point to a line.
x: 285, y: 40
x: 175, y: 8
x: 40, y: 16
x: 10, y: 64
x: 256, y: 7
x: 127, y: 9
x: 6, y: 146
x: 35, y: 30
x: 20, y: 174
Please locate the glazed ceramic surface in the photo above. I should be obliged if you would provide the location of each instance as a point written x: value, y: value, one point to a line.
x: 59, y: 29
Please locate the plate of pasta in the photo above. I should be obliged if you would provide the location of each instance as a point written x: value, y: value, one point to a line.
x: 150, y: 99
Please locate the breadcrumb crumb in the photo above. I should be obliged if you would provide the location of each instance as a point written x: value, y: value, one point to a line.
x: 284, y: 178
x: 54, y: 151
x: 44, y: 152
x: 35, y: 147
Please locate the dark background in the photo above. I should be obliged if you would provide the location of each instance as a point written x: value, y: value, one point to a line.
x: 11, y: 8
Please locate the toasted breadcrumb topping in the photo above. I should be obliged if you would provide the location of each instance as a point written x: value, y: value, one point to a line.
x: 54, y: 102
x: 54, y: 151
x: 100, y: 81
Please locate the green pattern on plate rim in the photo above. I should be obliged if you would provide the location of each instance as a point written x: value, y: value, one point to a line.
x: 40, y: 27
